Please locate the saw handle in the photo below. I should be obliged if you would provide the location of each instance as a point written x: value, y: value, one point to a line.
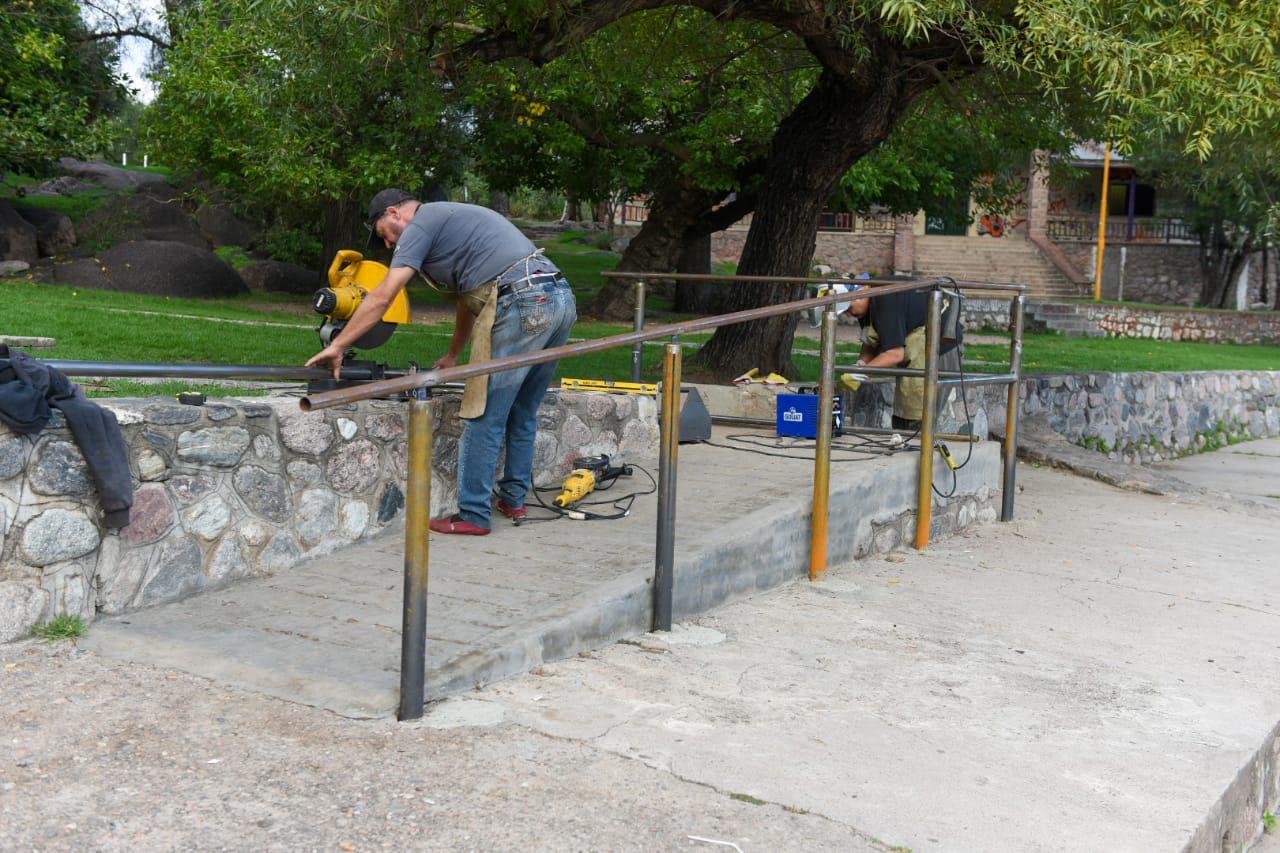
x: 341, y: 261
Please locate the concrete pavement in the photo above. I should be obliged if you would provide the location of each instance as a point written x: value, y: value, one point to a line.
x: 1249, y: 470
x: 327, y: 632
x: 1094, y: 676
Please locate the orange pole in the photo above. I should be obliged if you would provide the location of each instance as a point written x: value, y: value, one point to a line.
x: 1102, y: 223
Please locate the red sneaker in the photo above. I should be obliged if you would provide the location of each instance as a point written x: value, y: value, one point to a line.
x: 455, y: 524
x: 515, y: 513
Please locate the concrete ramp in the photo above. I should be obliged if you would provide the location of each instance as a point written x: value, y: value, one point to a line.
x: 327, y: 633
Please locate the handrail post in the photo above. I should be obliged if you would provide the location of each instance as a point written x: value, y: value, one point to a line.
x: 1012, y: 405
x: 637, y: 351
x: 822, y: 455
x: 664, y: 557
x: 413, y: 633
x: 924, y: 484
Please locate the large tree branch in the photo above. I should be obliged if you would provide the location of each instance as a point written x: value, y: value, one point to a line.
x: 124, y: 32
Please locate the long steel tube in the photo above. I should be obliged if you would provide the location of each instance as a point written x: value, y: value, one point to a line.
x: 783, y: 279
x: 413, y: 632
x: 428, y: 378
x: 1016, y: 308
x: 127, y: 369
x: 668, y: 457
x: 924, y: 483
x: 979, y: 379
x: 897, y: 371
x: 734, y: 420
x: 822, y: 453
x: 637, y: 351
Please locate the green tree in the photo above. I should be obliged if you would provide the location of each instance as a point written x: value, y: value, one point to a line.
x: 1203, y: 69
x: 57, y: 86
x: 303, y: 121
x: 1234, y: 200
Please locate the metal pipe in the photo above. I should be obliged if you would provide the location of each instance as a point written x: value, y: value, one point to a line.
x: 979, y: 379
x: 1102, y: 224
x: 1012, y: 404
x: 637, y: 351
x: 413, y: 632
x: 822, y: 453
x: 668, y: 453
x: 466, y: 371
x: 966, y: 284
x: 735, y: 420
x: 128, y: 369
x: 924, y: 483
x: 897, y: 371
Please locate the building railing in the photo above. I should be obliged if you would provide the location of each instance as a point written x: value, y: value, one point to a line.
x: 418, y: 386
x: 1084, y: 229
x: 850, y: 222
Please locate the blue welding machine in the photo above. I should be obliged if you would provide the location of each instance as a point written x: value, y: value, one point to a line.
x: 798, y: 415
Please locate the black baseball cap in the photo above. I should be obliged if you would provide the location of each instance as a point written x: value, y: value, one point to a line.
x: 389, y: 197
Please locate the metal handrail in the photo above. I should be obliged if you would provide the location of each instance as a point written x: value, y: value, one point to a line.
x: 429, y: 378
x: 640, y: 281
x: 418, y: 490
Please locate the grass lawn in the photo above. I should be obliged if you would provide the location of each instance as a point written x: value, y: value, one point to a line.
x: 1056, y: 353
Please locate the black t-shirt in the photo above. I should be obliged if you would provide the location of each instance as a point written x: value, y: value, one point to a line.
x: 899, y: 314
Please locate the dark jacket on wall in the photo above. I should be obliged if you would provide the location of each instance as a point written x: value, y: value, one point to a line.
x: 30, y: 390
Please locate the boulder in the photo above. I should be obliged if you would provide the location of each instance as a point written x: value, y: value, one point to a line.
x: 139, y: 217
x: 58, y: 186
x: 81, y: 272
x: 280, y: 277
x: 159, y: 268
x: 13, y: 267
x: 18, y: 240
x: 107, y: 176
x: 55, y: 235
x: 221, y: 227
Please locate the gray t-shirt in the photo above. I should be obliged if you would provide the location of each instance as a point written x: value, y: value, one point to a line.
x: 460, y: 246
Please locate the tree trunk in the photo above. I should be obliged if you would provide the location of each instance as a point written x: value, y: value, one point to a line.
x: 500, y: 202
x: 1221, y: 259
x: 572, y: 208
x: 602, y: 211
x: 696, y: 297
x: 343, y: 228
x: 838, y: 122
x: 673, y: 210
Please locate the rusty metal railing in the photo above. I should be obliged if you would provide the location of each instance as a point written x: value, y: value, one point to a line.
x: 418, y: 385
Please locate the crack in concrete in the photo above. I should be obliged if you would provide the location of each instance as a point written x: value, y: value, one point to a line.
x: 1132, y: 588
x: 671, y: 771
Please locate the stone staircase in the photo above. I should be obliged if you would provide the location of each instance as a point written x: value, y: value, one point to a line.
x: 1063, y: 317
x: 986, y: 259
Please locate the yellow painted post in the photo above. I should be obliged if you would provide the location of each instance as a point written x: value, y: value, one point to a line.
x: 1102, y: 223
x: 822, y: 454
x: 924, y: 482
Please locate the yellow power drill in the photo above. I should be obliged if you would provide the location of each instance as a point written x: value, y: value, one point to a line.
x: 588, y: 472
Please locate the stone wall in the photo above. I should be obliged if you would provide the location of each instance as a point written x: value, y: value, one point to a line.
x: 238, y: 488
x: 1234, y: 327
x: 1132, y: 417
x: 845, y: 252
x: 1126, y: 321
x: 1160, y: 274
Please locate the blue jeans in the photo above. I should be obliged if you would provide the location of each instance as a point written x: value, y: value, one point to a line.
x: 533, y: 319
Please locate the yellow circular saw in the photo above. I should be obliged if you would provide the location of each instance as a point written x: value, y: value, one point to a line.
x: 351, y: 277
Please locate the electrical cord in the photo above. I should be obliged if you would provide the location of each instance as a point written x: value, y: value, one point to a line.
x: 968, y: 418
x: 621, y: 505
x: 764, y: 446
